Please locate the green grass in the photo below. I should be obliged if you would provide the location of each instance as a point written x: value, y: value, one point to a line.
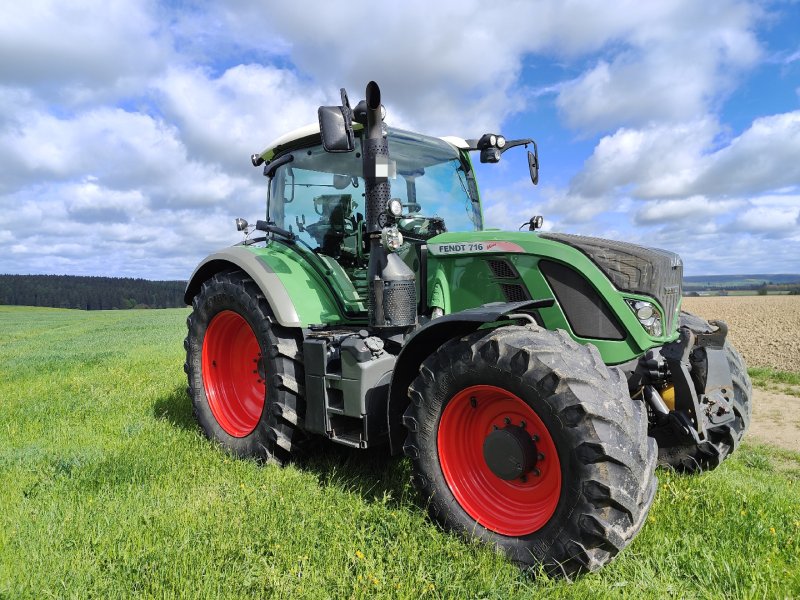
x: 763, y: 376
x: 786, y: 382
x: 107, y: 489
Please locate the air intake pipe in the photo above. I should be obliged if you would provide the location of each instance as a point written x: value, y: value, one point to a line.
x: 392, y: 284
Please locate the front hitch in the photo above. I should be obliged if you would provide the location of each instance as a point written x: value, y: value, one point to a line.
x: 702, y: 379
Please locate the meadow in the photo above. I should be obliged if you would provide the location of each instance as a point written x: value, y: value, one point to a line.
x: 108, y: 489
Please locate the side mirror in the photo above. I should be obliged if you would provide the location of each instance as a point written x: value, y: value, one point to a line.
x: 336, y: 126
x: 533, y: 164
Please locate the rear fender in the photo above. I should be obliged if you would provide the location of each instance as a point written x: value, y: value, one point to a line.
x: 427, y: 340
x: 238, y: 257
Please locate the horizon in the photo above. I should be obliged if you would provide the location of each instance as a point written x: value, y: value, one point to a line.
x: 671, y: 124
x: 685, y: 276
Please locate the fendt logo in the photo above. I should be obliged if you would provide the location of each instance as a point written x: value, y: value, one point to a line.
x: 474, y: 247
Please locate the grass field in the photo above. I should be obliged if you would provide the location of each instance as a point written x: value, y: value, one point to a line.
x: 107, y: 489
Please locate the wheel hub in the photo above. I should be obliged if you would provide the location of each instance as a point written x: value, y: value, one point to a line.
x: 489, y: 416
x: 510, y: 452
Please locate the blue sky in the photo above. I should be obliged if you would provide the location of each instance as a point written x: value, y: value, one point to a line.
x: 126, y: 129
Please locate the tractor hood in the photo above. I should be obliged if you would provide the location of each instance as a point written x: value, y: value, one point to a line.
x: 631, y: 268
x: 595, y: 282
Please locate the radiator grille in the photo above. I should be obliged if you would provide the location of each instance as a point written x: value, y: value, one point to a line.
x: 514, y: 292
x: 502, y: 269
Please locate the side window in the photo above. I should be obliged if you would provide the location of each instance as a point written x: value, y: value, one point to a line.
x: 321, y: 208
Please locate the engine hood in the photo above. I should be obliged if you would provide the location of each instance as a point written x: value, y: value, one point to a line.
x: 631, y: 268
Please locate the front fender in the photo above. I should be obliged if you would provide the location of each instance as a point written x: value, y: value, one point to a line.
x: 427, y: 340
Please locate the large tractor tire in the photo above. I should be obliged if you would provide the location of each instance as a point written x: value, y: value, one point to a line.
x: 724, y: 439
x: 525, y: 439
x: 244, y: 370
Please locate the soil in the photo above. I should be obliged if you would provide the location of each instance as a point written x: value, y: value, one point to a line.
x: 776, y: 420
x: 766, y: 330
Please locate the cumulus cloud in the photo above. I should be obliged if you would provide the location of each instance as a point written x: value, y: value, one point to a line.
x: 458, y: 67
x: 229, y: 117
x: 127, y: 130
x: 671, y: 68
x: 668, y: 161
x: 78, y: 51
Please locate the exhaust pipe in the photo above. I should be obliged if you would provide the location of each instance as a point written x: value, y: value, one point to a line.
x: 392, y: 284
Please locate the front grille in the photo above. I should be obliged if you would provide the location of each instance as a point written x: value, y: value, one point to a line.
x: 514, y: 292
x: 502, y: 269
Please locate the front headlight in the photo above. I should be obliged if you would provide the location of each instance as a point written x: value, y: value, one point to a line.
x: 648, y: 315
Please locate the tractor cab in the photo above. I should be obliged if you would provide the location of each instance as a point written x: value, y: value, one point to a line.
x: 319, y: 197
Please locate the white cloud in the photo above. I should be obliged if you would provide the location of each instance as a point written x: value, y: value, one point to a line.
x: 673, y: 161
x: 764, y: 157
x: 77, y: 51
x: 772, y: 220
x: 671, y: 68
x: 652, y: 162
x: 126, y: 130
x: 692, y: 211
x: 457, y: 67
x: 120, y: 149
x: 227, y: 118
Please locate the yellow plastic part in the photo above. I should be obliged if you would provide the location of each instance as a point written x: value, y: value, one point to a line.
x: 668, y: 394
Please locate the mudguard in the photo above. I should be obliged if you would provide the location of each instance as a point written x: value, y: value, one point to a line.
x: 426, y: 340
x: 239, y: 257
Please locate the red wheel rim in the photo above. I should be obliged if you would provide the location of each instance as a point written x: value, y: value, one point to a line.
x: 513, y: 508
x: 233, y: 373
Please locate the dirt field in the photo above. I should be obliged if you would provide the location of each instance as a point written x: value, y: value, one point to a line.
x: 766, y: 330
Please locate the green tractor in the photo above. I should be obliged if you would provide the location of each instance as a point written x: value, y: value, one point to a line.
x: 534, y: 379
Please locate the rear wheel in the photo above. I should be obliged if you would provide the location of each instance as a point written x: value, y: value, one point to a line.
x: 525, y: 439
x: 243, y: 370
x: 724, y: 439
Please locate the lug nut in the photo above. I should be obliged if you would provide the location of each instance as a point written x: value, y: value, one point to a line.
x: 507, y: 421
x: 536, y: 472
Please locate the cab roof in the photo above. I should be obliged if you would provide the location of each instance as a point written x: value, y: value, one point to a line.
x: 309, y: 134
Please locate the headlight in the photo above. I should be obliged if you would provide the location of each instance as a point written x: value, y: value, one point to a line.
x: 395, y: 207
x: 648, y: 315
x: 501, y: 141
x: 391, y: 238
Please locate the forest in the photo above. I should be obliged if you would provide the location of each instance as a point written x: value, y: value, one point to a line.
x: 89, y: 293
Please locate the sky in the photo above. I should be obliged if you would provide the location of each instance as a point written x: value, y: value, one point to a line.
x: 126, y: 128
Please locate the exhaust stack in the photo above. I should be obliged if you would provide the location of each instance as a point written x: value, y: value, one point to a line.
x: 392, y: 283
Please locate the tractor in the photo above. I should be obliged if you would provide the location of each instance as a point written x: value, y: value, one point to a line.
x: 534, y: 379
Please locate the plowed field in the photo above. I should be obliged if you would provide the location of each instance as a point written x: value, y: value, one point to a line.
x: 765, y: 329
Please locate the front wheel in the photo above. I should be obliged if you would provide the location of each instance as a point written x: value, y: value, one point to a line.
x: 243, y: 370
x: 525, y: 439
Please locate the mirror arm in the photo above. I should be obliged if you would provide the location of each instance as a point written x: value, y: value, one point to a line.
x: 515, y: 143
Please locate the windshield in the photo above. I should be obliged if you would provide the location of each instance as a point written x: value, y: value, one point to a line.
x: 320, y: 196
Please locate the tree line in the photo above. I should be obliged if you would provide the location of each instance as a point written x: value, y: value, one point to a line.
x: 89, y: 293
